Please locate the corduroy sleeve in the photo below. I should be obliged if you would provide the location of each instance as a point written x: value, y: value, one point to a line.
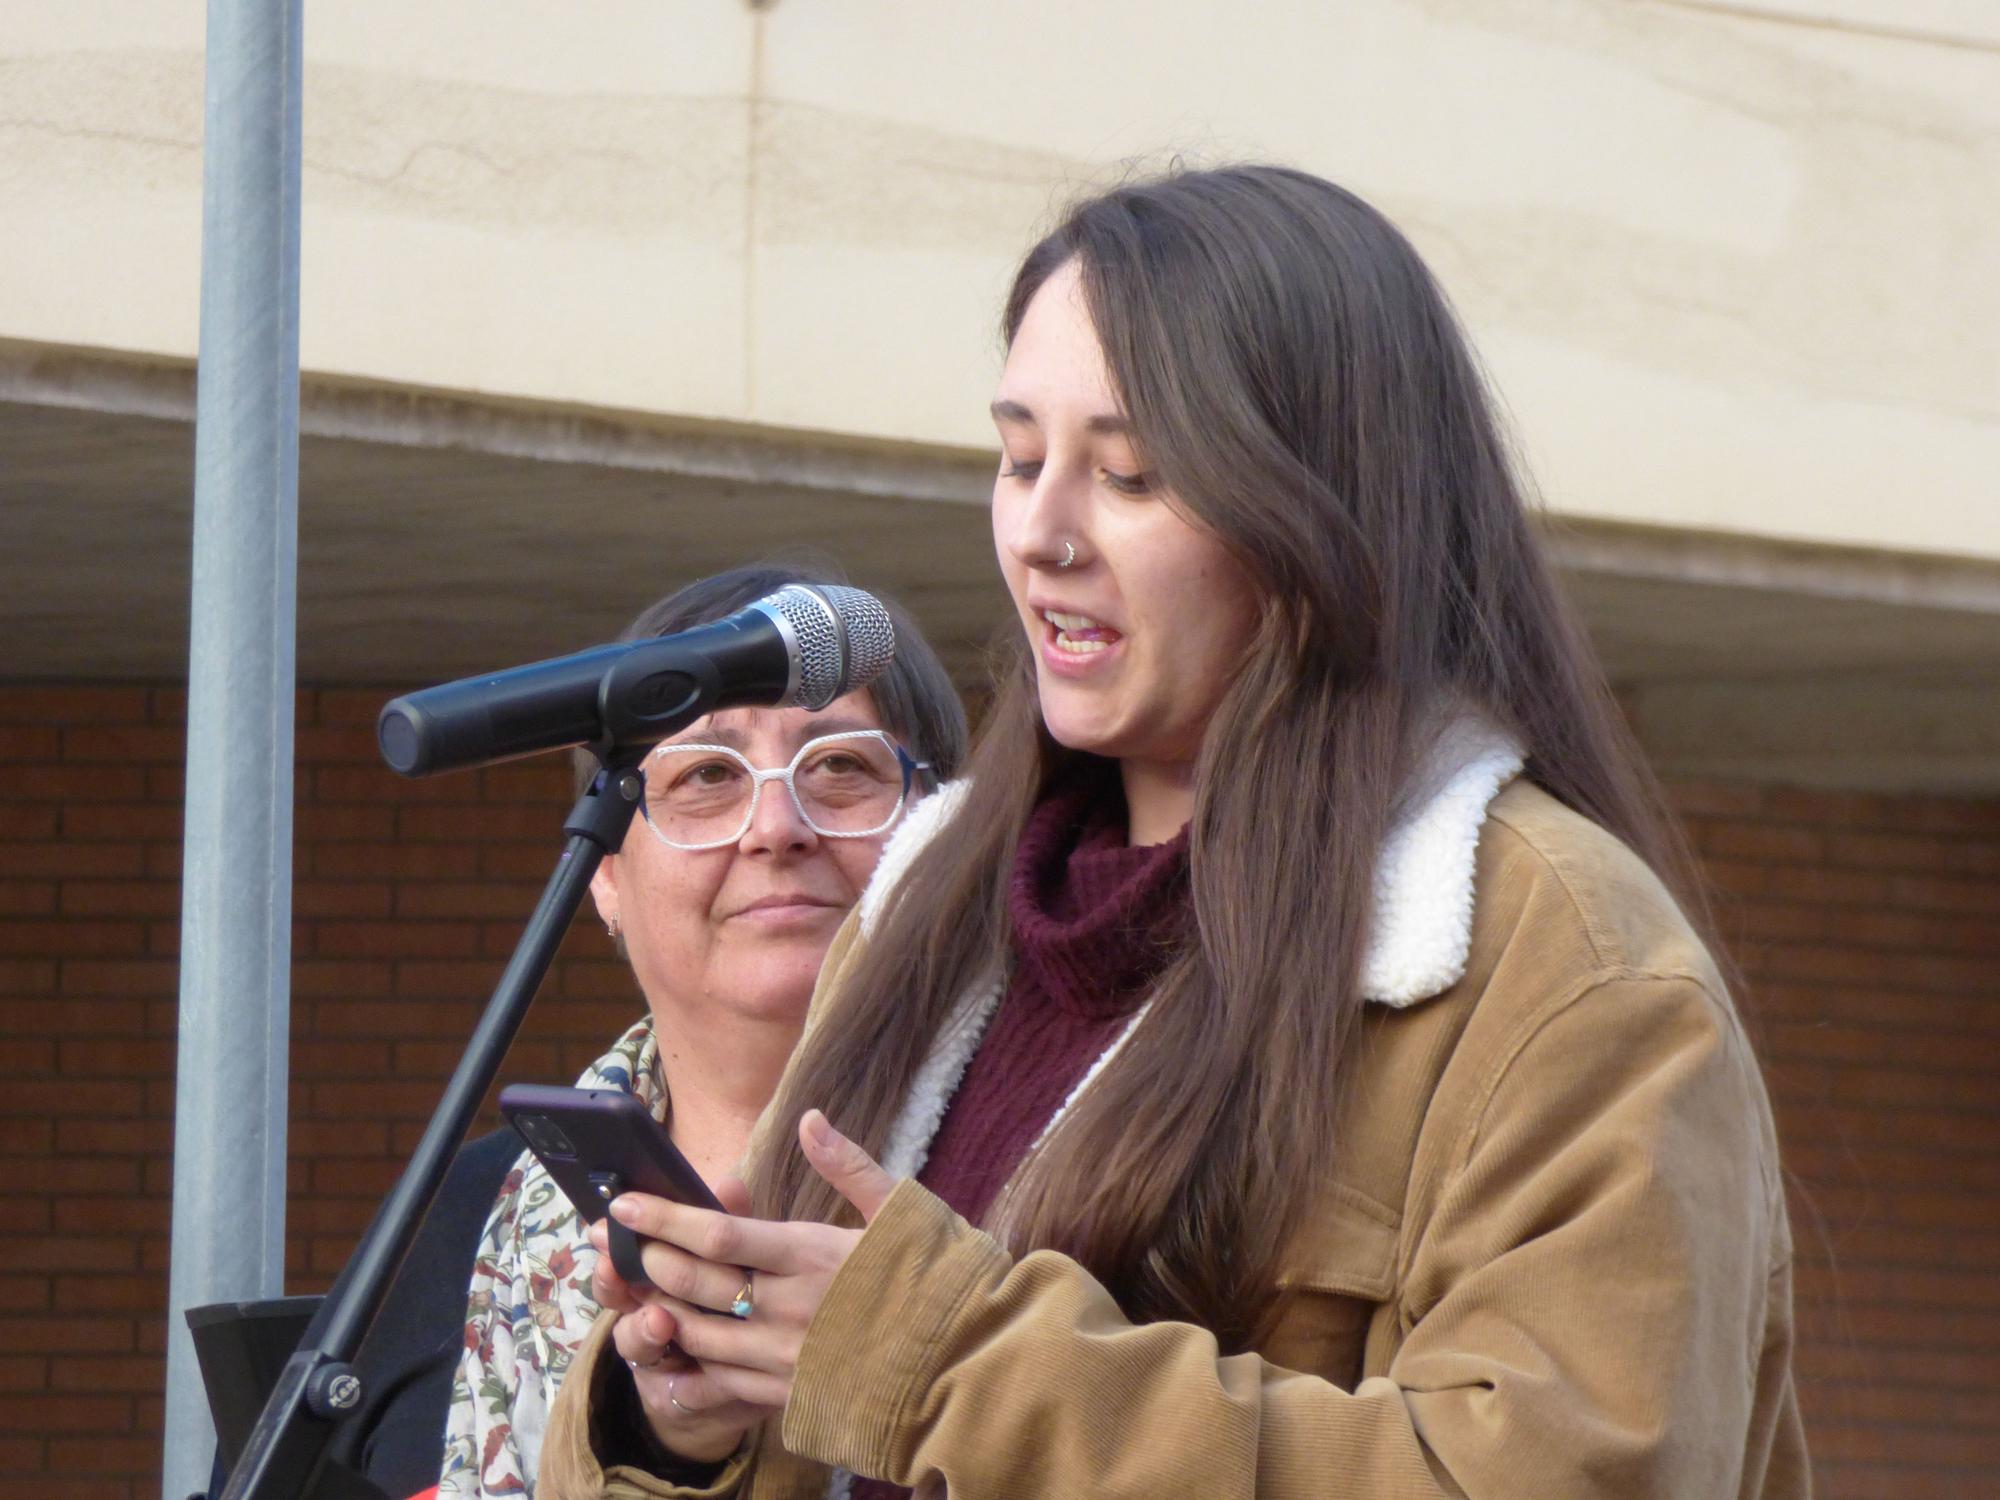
x: 1581, y: 1313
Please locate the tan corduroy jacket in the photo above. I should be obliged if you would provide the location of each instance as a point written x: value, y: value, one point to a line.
x: 1555, y: 1261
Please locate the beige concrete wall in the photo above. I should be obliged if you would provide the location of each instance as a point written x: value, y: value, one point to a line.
x: 1733, y: 269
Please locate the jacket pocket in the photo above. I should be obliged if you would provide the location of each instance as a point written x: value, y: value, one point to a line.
x: 1342, y: 1270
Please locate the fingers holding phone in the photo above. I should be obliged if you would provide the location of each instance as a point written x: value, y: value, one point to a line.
x: 667, y: 1381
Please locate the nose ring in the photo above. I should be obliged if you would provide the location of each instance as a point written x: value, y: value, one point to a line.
x: 1069, y: 555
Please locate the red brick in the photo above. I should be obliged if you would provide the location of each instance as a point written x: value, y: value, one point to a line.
x: 363, y: 706
x: 29, y: 742
x: 347, y: 1216
x: 601, y: 979
x: 55, y: 1097
x: 1716, y: 798
x: 426, y: 979
x: 136, y: 1376
x: 46, y: 783
x: 19, y: 1455
x: 489, y: 823
x: 25, y: 1137
x: 60, y: 861
x: 65, y: 1414
x: 29, y: 939
x: 1899, y: 971
x: 1864, y: 1046
x: 1818, y: 883
x: 531, y: 781
x: 22, y: 1372
x: 398, y: 939
x: 519, y: 861
x: 475, y: 899
x: 342, y: 898
x: 345, y: 824
x: 27, y: 898
x: 20, y: 820
x: 341, y: 980
x: 105, y: 1455
x: 71, y: 1253
x: 1771, y: 842
x: 121, y: 898
x: 128, y: 1216
x: 91, y: 1136
x: 165, y: 784
x: 370, y: 785
x: 73, y: 1489
x: 332, y: 1139
x: 113, y: 977
x: 24, y: 1215
x: 360, y: 1178
x: 125, y: 743
x: 1944, y: 893
x: 400, y: 1018
x: 26, y: 1057
x: 67, y: 703
x: 74, y: 1174
x: 318, y: 1058
x: 392, y: 861
x: 111, y: 1293
x: 123, y: 821
x: 1826, y: 1002
x: 349, y: 743
x: 374, y: 1099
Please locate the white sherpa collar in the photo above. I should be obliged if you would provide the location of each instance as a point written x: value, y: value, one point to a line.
x: 1421, y: 927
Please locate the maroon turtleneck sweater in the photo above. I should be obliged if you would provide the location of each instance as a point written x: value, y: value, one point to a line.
x: 1094, y: 922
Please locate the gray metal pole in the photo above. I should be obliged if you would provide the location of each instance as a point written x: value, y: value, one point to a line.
x: 236, y: 903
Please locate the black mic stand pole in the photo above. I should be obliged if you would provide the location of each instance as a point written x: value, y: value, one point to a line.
x: 282, y: 1457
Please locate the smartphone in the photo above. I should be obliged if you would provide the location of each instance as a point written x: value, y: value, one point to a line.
x: 598, y: 1143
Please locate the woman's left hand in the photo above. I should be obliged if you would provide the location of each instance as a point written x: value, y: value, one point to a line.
x: 701, y: 1260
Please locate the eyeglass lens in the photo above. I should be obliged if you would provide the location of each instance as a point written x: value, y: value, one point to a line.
x: 843, y: 784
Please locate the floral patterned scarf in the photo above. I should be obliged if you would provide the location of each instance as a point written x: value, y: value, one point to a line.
x: 529, y: 1305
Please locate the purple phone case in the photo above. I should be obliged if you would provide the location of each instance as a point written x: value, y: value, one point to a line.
x: 602, y: 1143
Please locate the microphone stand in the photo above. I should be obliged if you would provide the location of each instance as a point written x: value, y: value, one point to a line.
x: 285, y: 1451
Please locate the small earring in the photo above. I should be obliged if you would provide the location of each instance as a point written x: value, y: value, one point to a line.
x: 1069, y: 555
x: 611, y: 926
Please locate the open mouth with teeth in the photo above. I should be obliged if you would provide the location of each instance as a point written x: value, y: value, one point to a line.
x: 1079, y: 634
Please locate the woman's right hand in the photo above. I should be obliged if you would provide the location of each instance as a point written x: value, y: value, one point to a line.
x: 643, y: 1338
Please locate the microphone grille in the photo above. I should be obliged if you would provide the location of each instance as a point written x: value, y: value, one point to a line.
x: 844, y: 639
x: 871, y: 635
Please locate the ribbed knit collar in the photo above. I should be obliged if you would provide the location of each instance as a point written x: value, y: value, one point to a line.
x: 1094, y: 919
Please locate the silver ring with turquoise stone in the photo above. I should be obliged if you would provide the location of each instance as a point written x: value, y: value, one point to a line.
x: 746, y: 1300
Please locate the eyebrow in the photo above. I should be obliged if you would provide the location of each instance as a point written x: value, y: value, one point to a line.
x: 718, y: 734
x: 1114, y: 424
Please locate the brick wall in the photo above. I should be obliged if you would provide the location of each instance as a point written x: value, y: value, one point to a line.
x: 1866, y: 925
x: 408, y: 898
x: 1868, y: 928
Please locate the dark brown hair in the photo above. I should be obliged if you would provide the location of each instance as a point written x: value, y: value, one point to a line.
x: 1299, y: 385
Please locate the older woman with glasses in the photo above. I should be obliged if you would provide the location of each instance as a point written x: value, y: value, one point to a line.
x: 760, y: 830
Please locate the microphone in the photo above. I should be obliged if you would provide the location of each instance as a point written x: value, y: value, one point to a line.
x: 805, y: 645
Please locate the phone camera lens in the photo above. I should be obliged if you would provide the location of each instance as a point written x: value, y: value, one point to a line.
x: 546, y: 1137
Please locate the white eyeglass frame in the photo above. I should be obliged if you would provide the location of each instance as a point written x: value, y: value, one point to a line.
x: 910, y: 768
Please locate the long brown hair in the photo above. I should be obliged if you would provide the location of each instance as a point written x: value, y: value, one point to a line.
x: 1299, y: 385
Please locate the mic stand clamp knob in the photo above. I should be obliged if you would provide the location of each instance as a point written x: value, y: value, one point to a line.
x: 333, y: 1391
